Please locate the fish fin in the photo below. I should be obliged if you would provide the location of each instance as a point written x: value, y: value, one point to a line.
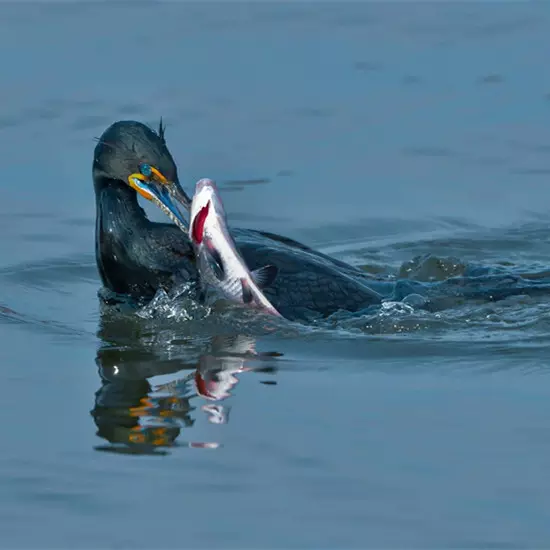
x: 264, y: 276
x: 247, y: 293
x: 215, y: 261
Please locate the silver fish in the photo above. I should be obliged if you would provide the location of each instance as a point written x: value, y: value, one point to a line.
x: 220, y: 264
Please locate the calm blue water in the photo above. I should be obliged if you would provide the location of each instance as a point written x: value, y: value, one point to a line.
x: 378, y: 133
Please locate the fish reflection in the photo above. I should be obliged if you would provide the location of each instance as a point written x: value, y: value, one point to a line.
x: 217, y: 372
x: 135, y: 416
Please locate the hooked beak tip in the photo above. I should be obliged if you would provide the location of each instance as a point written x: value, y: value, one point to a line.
x: 174, y: 200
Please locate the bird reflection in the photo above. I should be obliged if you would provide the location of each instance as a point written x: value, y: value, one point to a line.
x: 135, y: 416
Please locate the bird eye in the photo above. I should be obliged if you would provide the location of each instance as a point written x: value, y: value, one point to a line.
x: 146, y: 170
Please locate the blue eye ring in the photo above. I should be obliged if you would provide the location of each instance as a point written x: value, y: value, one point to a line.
x: 145, y: 170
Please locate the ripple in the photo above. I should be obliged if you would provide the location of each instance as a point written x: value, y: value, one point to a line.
x: 90, y: 122
x: 428, y: 151
x: 313, y: 112
x: 48, y: 272
x: 132, y: 109
x: 8, y: 122
x: 238, y: 182
x: 367, y: 66
x: 491, y: 79
x: 408, y: 80
x: 530, y: 171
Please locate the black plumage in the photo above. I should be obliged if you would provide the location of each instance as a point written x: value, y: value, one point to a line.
x: 136, y: 256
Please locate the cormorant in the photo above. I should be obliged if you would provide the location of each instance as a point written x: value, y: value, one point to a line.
x: 136, y: 256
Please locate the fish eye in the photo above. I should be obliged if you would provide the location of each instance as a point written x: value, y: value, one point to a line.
x: 145, y: 170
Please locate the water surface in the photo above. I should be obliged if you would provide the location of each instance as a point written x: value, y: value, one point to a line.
x: 379, y: 133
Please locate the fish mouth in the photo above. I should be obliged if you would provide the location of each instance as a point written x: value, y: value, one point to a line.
x: 167, y: 195
x: 205, y: 182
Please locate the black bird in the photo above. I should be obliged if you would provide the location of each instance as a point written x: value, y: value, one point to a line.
x: 136, y: 256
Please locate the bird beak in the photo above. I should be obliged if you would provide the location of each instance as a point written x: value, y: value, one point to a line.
x: 167, y: 195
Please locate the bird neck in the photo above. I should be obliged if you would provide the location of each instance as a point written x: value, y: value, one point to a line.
x: 120, y: 223
x: 117, y: 201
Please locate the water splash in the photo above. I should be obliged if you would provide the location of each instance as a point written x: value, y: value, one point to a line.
x: 178, y: 305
